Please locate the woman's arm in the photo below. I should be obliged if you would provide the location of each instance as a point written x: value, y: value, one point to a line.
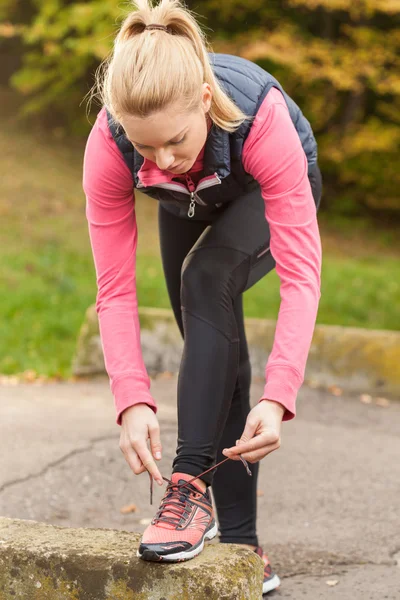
x: 110, y: 211
x: 274, y: 156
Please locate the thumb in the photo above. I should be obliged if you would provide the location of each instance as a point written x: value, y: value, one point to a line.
x: 244, y: 444
x: 155, y: 442
x: 248, y: 432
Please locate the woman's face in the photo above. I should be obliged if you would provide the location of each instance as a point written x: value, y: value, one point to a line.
x: 171, y: 138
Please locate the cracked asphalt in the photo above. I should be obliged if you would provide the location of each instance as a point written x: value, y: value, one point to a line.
x: 329, y: 504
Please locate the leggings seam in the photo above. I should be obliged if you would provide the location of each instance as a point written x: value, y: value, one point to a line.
x: 235, y: 340
x: 193, y: 250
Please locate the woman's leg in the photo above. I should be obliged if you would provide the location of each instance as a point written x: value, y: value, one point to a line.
x: 177, y: 237
x: 214, y: 274
x: 231, y: 256
x: 235, y: 493
x: 227, y: 259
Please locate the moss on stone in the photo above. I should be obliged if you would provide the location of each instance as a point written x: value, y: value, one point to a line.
x: 46, y: 562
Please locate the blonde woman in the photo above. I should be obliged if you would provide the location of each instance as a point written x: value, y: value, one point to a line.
x: 232, y: 162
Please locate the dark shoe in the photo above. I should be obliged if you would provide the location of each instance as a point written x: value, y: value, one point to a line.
x: 271, y: 580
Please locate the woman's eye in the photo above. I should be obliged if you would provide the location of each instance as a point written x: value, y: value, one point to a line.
x: 173, y: 143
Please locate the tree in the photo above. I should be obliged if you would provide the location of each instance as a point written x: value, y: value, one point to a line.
x: 338, y: 59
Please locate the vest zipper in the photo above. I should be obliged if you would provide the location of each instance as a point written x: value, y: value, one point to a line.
x: 194, y: 197
x: 191, y: 205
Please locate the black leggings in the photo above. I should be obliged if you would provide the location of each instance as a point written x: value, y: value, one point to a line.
x: 208, y: 265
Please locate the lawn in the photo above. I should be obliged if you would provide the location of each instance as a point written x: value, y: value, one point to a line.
x: 47, y: 273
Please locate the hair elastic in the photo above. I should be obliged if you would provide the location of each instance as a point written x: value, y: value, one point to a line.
x: 155, y: 26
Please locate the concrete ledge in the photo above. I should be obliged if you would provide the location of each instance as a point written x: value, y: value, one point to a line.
x: 45, y: 562
x: 358, y: 360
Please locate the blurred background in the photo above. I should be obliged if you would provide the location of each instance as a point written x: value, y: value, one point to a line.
x: 338, y: 59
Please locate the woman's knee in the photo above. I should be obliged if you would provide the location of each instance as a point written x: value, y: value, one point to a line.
x: 212, y: 275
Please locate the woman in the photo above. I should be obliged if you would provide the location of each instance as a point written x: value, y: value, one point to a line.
x: 233, y: 163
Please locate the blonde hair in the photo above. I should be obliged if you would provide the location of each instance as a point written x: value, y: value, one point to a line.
x: 149, y: 70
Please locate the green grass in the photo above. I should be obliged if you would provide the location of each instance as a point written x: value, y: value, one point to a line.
x: 47, y: 274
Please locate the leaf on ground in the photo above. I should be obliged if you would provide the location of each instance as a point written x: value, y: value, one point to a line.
x: 366, y: 399
x: 29, y: 376
x: 312, y: 383
x: 128, y: 508
x: 383, y: 402
x: 260, y: 493
x: 77, y: 379
x: 335, y: 390
x: 145, y: 521
x: 164, y: 375
x: 332, y: 582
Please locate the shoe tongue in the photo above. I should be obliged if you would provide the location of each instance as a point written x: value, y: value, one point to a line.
x: 181, y: 478
x: 178, y: 478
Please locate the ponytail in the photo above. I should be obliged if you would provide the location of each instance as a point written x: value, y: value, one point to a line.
x: 149, y: 70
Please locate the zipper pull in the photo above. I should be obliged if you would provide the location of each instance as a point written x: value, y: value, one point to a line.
x: 192, y: 205
x: 190, y: 183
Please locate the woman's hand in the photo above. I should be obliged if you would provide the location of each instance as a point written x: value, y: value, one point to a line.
x: 261, y: 434
x: 139, y: 423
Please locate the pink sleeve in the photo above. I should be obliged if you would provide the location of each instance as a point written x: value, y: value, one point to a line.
x: 110, y: 211
x: 273, y: 155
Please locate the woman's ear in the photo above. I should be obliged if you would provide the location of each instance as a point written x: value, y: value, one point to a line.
x: 207, y: 97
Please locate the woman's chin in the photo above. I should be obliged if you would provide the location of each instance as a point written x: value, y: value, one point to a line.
x: 183, y: 168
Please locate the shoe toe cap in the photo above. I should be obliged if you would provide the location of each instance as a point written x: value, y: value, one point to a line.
x: 164, y: 548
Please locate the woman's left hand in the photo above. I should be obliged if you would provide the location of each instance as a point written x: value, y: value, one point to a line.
x: 262, y: 433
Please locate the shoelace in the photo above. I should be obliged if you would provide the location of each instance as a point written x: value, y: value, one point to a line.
x: 175, y: 502
x: 181, y: 485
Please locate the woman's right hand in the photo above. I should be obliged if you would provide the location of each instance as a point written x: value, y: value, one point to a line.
x: 139, y: 423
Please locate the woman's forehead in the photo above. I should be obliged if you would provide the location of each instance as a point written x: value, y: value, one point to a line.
x: 158, y: 129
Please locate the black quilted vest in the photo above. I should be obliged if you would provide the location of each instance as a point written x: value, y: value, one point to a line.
x: 246, y: 84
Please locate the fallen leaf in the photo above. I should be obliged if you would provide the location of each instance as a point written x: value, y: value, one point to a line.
x: 165, y: 375
x: 29, y: 376
x: 128, y: 508
x: 383, y: 402
x: 335, y: 390
x: 145, y: 521
x: 332, y: 582
x: 260, y: 493
x: 365, y: 398
x: 312, y: 383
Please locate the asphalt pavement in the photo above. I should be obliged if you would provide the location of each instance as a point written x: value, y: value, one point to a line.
x: 329, y: 498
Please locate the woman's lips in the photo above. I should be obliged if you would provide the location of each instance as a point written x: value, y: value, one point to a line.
x: 178, y: 166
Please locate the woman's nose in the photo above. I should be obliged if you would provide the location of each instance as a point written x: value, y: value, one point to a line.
x: 164, y: 160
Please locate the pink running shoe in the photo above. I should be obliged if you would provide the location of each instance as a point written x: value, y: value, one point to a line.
x: 183, y: 521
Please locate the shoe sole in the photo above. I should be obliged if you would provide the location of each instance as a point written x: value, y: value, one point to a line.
x: 271, y: 584
x: 151, y: 555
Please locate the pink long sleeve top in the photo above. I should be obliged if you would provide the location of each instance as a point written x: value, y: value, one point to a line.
x: 273, y: 155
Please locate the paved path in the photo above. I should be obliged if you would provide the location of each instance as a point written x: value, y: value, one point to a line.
x: 330, y: 509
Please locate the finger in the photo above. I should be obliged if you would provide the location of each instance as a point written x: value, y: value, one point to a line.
x: 249, y: 431
x: 155, y: 441
x: 253, y: 457
x: 148, y: 462
x: 259, y: 441
x: 247, y: 435
x: 134, y: 461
